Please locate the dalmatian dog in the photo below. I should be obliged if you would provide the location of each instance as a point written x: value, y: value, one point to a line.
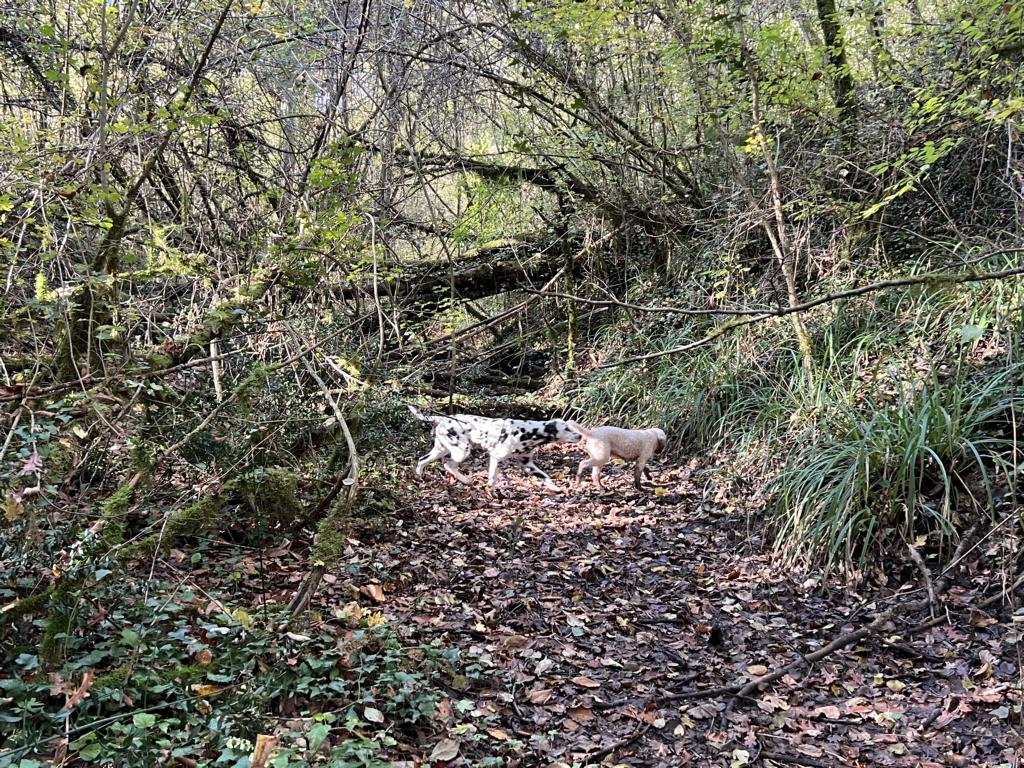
x: 516, y: 439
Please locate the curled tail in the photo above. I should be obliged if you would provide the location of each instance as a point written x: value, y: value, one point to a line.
x: 420, y: 415
x: 577, y: 428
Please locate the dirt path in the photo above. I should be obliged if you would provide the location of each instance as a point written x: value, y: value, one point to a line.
x: 598, y: 614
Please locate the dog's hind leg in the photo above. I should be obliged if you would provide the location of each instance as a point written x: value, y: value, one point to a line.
x: 458, y: 455
x: 528, y: 463
x: 453, y: 470
x: 436, y: 453
x: 492, y: 471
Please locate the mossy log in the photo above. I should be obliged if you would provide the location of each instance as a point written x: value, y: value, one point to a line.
x: 194, y: 519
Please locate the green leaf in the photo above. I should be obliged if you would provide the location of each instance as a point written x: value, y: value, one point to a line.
x: 91, y: 752
x: 316, y: 735
x: 971, y: 333
x: 144, y: 720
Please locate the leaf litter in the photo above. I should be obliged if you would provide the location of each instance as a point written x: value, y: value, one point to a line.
x: 606, y: 617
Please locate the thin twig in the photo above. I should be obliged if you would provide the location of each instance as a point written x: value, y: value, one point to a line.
x: 732, y: 325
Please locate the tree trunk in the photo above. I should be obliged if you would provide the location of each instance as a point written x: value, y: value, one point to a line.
x: 835, y: 49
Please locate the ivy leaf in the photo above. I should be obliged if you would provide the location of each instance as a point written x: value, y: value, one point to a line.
x: 316, y: 736
x: 90, y: 753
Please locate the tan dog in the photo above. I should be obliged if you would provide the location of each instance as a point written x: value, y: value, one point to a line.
x: 605, y: 443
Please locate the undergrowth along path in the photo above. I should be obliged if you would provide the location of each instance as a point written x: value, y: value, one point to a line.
x: 605, y: 617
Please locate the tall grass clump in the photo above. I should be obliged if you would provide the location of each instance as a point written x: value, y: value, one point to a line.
x: 906, y: 425
x: 878, y: 474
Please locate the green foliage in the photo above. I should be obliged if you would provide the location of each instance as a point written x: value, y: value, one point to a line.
x: 190, y: 521
x: 905, y: 430
x: 870, y: 475
x: 174, y: 677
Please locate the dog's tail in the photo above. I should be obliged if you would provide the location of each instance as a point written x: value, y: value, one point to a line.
x: 420, y: 415
x: 577, y: 428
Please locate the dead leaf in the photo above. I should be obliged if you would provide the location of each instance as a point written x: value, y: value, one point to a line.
x: 586, y: 682
x: 980, y: 618
x: 82, y: 691
x: 540, y: 695
x: 445, y: 750
x: 581, y: 715
x: 206, y: 690
x: 33, y: 464
x: 756, y: 670
x: 374, y: 592
x: 497, y: 733
x: 13, y: 508
x: 261, y: 753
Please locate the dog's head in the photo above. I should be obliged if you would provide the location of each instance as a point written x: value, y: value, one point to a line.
x: 662, y: 439
x: 561, y: 432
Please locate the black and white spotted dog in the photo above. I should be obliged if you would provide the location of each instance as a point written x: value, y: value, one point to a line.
x: 516, y: 439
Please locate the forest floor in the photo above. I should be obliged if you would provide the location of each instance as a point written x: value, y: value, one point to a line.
x: 603, y: 618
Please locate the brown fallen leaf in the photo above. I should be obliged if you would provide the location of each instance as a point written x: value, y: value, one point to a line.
x: 444, y: 750
x: 540, y: 695
x: 585, y: 682
x: 580, y: 714
x: 261, y: 753
x: 82, y: 691
x: 374, y: 592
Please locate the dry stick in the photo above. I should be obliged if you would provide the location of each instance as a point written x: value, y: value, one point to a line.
x: 305, y: 592
x: 743, y: 690
x: 656, y: 308
x: 605, y: 751
x: 721, y: 330
x: 779, y: 757
x: 926, y: 575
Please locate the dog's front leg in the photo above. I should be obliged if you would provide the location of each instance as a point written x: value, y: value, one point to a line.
x: 528, y: 463
x: 492, y: 472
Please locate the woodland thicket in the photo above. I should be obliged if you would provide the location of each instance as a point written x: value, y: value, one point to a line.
x: 235, y: 238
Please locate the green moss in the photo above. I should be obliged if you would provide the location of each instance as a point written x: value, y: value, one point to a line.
x: 273, y: 493
x: 121, y: 677
x: 157, y: 361
x: 113, y: 512
x: 29, y: 606
x: 185, y: 522
x: 186, y: 674
x: 116, y: 679
x: 59, y: 623
x: 61, y: 460
x: 331, y: 534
